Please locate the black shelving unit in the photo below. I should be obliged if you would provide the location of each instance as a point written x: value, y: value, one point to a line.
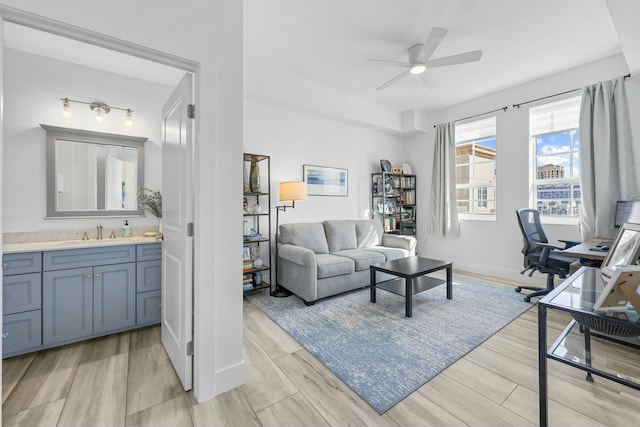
x: 259, y: 222
x: 393, y: 201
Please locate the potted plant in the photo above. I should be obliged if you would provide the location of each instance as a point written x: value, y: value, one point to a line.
x: 151, y: 201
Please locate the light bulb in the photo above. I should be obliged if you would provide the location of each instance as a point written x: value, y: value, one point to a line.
x: 128, y: 120
x: 99, y: 114
x: 418, y: 69
x: 66, y: 108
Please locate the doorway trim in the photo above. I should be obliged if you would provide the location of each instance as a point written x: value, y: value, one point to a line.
x: 37, y: 22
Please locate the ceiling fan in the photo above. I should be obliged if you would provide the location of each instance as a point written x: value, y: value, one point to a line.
x: 420, y: 54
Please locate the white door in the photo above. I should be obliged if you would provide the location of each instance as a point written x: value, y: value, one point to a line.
x: 177, y: 213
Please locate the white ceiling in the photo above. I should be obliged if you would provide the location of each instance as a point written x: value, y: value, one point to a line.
x: 328, y: 42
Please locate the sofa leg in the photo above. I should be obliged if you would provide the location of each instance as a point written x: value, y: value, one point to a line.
x: 309, y: 303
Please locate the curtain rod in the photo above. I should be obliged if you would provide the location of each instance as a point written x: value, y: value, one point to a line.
x: 556, y: 94
x: 481, y: 114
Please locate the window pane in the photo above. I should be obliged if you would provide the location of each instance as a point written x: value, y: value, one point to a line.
x: 554, y: 131
x: 484, y: 172
x: 476, y: 166
x: 462, y: 174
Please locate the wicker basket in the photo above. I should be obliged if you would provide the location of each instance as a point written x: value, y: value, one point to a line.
x: 608, y: 326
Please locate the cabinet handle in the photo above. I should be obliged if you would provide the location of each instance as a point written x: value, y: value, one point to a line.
x: 88, y: 276
x: 6, y: 296
x: 97, y: 275
x: 5, y: 335
x: 5, y: 265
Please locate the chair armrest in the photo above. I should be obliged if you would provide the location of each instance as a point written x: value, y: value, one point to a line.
x: 400, y: 241
x: 546, y: 249
x: 550, y: 246
x: 569, y: 243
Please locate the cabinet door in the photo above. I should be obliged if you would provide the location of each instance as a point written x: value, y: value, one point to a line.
x: 67, y: 305
x: 149, y: 307
x: 21, y: 332
x: 22, y: 292
x: 20, y: 263
x: 149, y: 276
x: 114, y: 297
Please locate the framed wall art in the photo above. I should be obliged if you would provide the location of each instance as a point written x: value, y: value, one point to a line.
x: 325, y: 181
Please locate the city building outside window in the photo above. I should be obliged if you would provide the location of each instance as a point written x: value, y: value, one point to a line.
x: 476, y: 167
x: 555, y: 139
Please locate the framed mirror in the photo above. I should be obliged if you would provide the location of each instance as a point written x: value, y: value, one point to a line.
x: 93, y: 173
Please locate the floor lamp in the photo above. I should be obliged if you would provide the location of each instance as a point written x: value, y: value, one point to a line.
x: 290, y: 191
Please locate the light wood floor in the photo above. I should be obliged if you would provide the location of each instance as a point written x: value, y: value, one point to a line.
x: 126, y: 380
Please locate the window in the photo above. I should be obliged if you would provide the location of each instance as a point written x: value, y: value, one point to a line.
x: 555, y: 139
x: 476, y: 167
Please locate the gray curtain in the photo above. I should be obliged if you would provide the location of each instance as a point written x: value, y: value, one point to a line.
x: 607, y: 171
x: 443, y: 212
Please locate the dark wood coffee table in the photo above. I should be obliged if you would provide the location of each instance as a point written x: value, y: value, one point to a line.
x: 414, y: 271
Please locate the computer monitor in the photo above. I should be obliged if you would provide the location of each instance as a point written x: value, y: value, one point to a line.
x: 627, y: 211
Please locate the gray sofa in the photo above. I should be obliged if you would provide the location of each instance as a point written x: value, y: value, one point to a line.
x: 317, y: 260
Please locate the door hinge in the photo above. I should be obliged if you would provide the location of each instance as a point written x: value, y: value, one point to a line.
x: 190, y: 229
x: 191, y: 111
x: 190, y: 348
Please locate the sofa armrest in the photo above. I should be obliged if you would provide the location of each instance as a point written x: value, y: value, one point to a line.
x: 400, y: 241
x: 297, y: 255
x: 298, y: 271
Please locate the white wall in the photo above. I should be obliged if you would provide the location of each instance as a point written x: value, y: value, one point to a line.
x: 293, y: 139
x: 32, y: 97
x: 493, y: 247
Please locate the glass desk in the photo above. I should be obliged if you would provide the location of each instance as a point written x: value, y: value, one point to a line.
x: 576, y: 295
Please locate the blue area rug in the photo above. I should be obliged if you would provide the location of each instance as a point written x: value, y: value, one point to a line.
x: 379, y: 353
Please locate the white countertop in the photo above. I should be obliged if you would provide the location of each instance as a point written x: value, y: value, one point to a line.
x: 74, y: 244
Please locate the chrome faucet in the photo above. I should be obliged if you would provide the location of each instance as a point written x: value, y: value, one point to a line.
x: 99, y: 236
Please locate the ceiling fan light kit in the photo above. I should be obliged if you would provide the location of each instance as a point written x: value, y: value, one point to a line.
x: 420, y: 54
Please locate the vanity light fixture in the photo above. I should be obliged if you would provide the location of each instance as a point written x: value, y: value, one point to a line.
x: 100, y: 108
x: 66, y: 107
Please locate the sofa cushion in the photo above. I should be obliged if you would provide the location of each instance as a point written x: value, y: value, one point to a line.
x: 369, y: 233
x: 331, y: 265
x: 341, y: 234
x: 389, y: 253
x: 306, y: 235
x: 362, y: 258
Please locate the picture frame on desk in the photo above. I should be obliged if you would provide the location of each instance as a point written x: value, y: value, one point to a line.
x: 246, y: 253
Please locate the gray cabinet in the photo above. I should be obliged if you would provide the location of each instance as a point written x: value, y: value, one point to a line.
x: 149, y: 307
x: 67, y: 305
x: 21, y: 332
x: 61, y: 296
x: 21, y: 302
x: 114, y: 297
x: 149, y: 284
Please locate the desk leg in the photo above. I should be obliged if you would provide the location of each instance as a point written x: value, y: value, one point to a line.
x: 449, y: 282
x: 372, y: 284
x: 408, y: 283
x: 587, y: 351
x: 542, y: 364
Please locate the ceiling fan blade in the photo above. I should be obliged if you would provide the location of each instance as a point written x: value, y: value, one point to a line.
x: 432, y: 42
x: 393, y: 80
x: 460, y: 58
x: 396, y: 63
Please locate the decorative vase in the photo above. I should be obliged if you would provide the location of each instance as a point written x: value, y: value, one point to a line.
x: 254, y: 177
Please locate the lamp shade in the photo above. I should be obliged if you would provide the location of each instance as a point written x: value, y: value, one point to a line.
x: 293, y: 191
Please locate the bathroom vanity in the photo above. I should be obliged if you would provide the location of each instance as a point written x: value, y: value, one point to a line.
x: 56, y: 293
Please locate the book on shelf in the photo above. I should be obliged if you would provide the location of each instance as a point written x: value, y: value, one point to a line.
x: 247, y: 265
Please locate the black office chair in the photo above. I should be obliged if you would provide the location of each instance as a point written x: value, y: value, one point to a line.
x: 539, y: 254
